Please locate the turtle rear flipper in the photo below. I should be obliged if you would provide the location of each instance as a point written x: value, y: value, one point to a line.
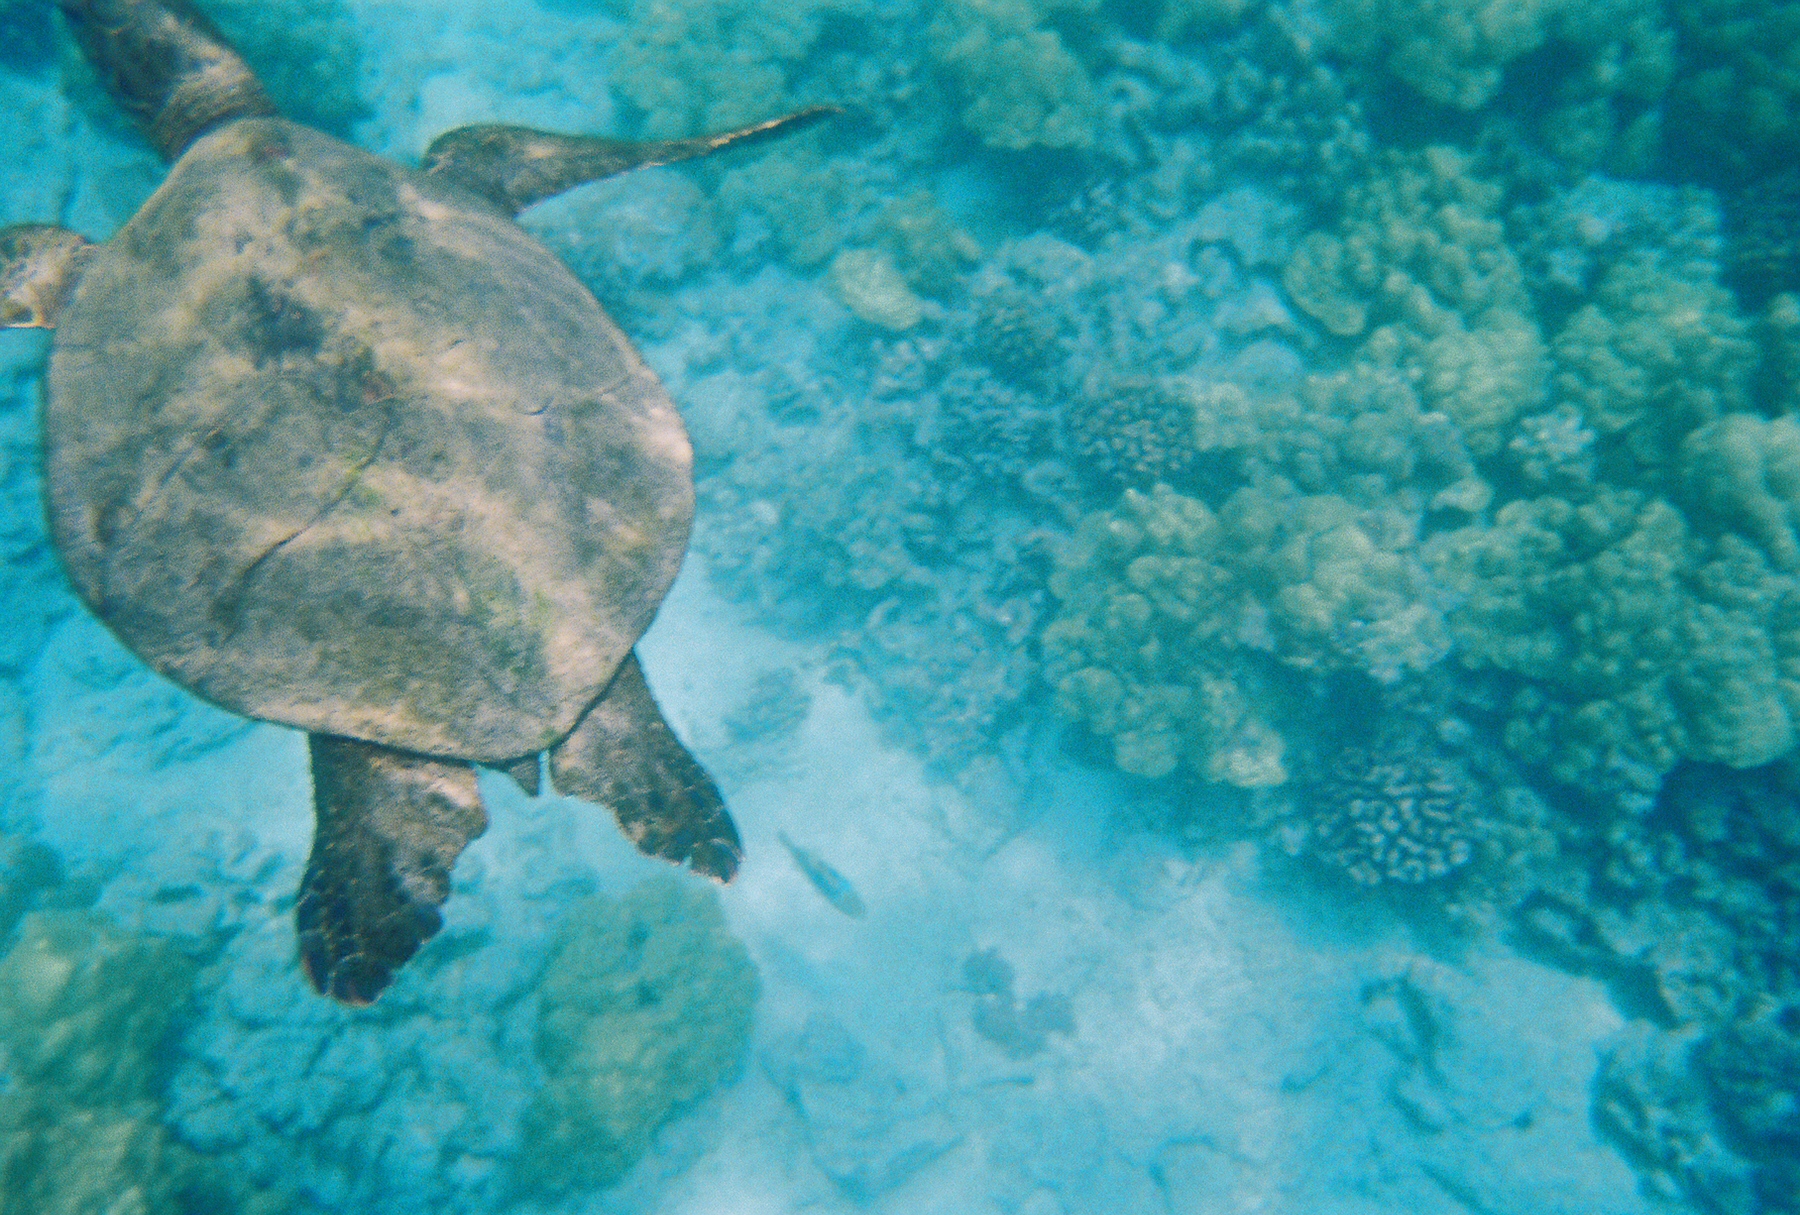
x: 390, y: 827
x: 624, y: 755
x: 518, y: 166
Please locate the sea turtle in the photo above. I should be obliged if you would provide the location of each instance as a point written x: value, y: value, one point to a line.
x: 333, y: 443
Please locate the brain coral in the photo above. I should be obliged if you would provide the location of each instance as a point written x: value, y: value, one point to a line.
x: 1393, y: 815
x: 644, y: 1007
x: 1133, y: 430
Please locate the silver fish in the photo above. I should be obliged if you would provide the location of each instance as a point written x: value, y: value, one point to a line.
x: 827, y: 881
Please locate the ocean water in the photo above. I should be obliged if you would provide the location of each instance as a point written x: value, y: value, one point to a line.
x: 1242, y: 601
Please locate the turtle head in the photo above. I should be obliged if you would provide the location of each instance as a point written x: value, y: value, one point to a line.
x: 164, y: 62
x: 39, y: 267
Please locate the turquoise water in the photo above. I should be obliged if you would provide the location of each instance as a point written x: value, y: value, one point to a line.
x: 1243, y: 602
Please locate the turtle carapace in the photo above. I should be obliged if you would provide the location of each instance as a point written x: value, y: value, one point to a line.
x: 333, y: 443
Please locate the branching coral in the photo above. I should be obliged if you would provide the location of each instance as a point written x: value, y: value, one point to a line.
x: 1021, y: 88
x: 644, y: 1008
x: 1421, y: 248
x: 1646, y: 643
x: 989, y: 427
x: 1140, y: 652
x: 1660, y: 351
x: 697, y: 65
x: 1162, y: 600
x: 1133, y: 430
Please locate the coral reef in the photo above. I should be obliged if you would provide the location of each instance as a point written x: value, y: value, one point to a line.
x: 85, y: 1014
x: 644, y: 1008
x: 1452, y: 51
x: 1420, y: 252
x: 1660, y: 351
x: 1780, y: 333
x: 1734, y: 110
x: 1742, y: 472
x: 1689, y: 913
x: 871, y: 286
x: 695, y: 65
x: 1141, y: 648
x: 1133, y: 431
x: 1595, y: 87
x: 1419, y: 236
x: 807, y: 204
x: 1762, y: 229
x: 1018, y: 1030
x: 1644, y: 642
x: 1020, y: 85
x: 1752, y: 1067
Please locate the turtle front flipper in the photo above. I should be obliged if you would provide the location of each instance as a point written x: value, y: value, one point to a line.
x: 518, y: 166
x: 39, y: 266
x: 390, y: 827
x: 624, y: 755
x: 165, y: 63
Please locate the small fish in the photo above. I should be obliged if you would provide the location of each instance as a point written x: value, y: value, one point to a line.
x: 827, y: 881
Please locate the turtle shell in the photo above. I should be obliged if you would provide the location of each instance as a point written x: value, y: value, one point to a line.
x: 336, y: 444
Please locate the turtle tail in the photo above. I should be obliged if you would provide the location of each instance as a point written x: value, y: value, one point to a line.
x: 165, y: 63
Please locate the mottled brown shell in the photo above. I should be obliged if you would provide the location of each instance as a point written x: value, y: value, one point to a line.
x: 336, y: 445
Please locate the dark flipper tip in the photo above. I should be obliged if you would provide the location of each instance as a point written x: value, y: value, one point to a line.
x: 624, y: 755
x: 390, y: 827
